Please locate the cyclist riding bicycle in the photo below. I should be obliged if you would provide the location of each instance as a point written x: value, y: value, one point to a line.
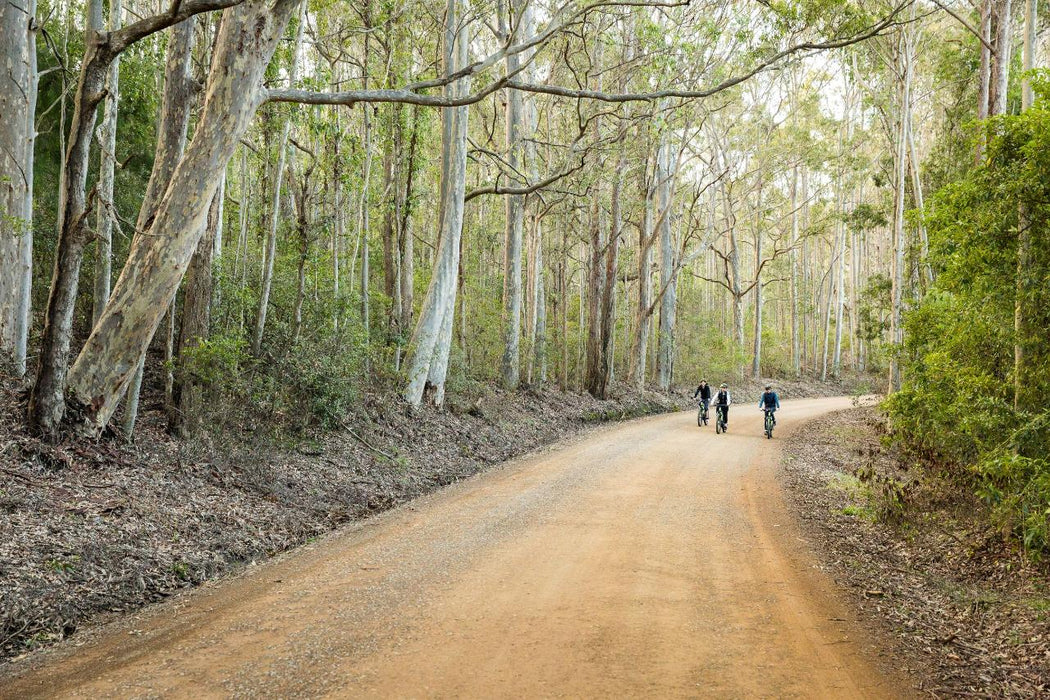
x: 704, y: 392
x: 722, y: 401
x: 769, y: 401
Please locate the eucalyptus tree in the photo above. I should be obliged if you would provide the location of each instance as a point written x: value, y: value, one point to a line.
x: 19, y: 26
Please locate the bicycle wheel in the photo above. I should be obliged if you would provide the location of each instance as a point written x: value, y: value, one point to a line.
x: 700, y: 418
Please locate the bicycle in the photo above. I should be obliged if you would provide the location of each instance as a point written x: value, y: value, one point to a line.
x: 701, y: 414
x: 720, y: 420
x: 770, y: 423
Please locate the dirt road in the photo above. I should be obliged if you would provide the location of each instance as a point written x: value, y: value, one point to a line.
x: 648, y: 559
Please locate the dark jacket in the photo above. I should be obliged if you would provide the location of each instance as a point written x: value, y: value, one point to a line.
x: 769, y: 399
x: 703, y: 391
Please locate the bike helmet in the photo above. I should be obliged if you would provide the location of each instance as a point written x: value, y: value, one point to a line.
x: 724, y: 386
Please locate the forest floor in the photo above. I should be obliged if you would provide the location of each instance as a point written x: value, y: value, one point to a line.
x: 969, y: 614
x: 91, y: 530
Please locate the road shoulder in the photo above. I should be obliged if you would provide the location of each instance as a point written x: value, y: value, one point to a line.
x: 957, y: 613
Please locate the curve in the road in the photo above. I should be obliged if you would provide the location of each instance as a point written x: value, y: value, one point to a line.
x: 648, y: 559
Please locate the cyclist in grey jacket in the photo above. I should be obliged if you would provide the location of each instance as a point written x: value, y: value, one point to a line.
x: 723, y: 399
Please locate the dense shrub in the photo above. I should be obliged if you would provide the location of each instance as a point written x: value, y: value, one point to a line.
x: 958, y: 406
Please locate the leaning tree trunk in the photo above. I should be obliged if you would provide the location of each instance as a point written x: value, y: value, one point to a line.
x: 643, y: 318
x: 173, y: 121
x: 432, y: 338
x: 156, y: 264
x: 18, y: 93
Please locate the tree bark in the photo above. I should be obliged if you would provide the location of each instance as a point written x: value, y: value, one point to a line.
x: 18, y: 94
x: 107, y: 164
x: 899, y: 243
x: 172, y: 124
x: 668, y: 273
x: 1001, y: 58
x: 156, y: 264
x: 643, y: 318
x: 432, y: 338
x: 196, y: 323
x: 1031, y: 40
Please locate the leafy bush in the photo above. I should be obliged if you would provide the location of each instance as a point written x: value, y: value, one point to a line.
x: 965, y: 403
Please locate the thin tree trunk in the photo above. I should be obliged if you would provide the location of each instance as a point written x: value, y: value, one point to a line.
x: 796, y: 354
x: 510, y: 366
x: 668, y: 275
x: 899, y: 243
x: 107, y: 163
x: 643, y: 318
x: 270, y: 252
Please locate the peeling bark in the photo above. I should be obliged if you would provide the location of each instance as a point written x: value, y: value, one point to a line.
x: 156, y: 264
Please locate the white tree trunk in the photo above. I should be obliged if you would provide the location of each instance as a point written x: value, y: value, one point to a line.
x: 106, y: 213
x: 510, y: 366
x: 432, y: 338
x: 156, y: 264
x: 1031, y: 40
x: 275, y: 212
x: 18, y: 93
x: 668, y: 273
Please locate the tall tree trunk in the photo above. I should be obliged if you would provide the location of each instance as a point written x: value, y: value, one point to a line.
x: 1031, y: 41
x: 668, y: 274
x: 643, y: 318
x: 196, y: 323
x: 796, y: 353
x: 899, y: 243
x: 172, y: 124
x: 270, y: 252
x: 594, y: 378
x: 756, y: 358
x: 107, y: 164
x: 1027, y: 278
x: 510, y: 366
x: 247, y: 37
x: 432, y: 339
x: 47, y: 401
x: 18, y: 94
x: 1001, y: 59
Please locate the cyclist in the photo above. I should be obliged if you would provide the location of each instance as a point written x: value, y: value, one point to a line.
x: 770, y: 402
x: 704, y: 392
x: 722, y: 401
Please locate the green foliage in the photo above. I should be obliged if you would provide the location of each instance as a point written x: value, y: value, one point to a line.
x: 958, y: 403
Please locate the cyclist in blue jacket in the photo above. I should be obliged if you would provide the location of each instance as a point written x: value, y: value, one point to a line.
x: 770, y: 402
